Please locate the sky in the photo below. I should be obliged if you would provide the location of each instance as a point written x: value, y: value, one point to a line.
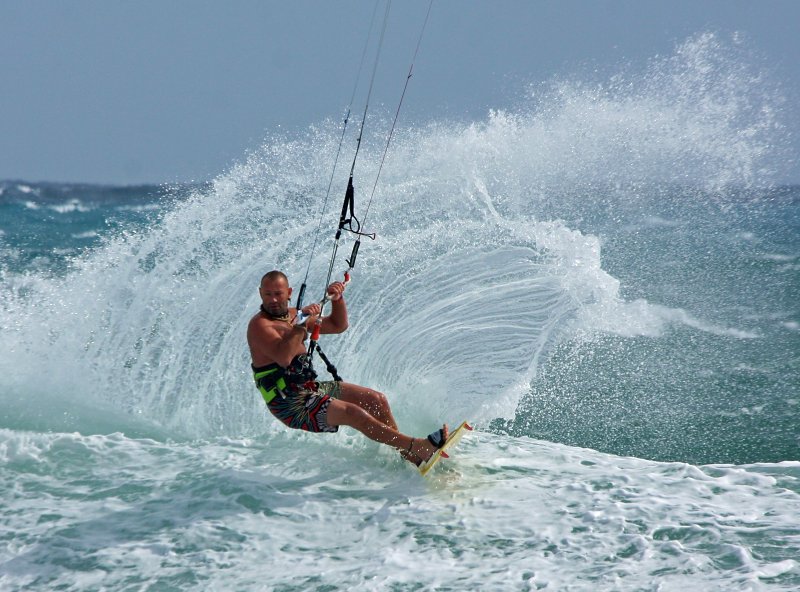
x: 128, y: 92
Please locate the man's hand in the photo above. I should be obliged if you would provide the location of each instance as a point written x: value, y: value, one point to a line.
x: 311, y: 309
x: 306, y: 313
x: 335, y: 291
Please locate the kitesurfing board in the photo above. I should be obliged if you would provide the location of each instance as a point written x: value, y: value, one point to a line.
x: 452, y: 440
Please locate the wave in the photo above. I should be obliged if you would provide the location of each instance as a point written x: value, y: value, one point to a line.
x: 476, y: 276
x: 539, y: 513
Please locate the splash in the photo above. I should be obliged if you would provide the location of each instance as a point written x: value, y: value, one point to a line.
x: 476, y: 275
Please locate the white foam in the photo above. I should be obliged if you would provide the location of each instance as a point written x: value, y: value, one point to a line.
x: 677, y: 315
x: 73, y: 205
x: 501, y: 513
x: 28, y: 189
x: 778, y: 257
x: 658, y: 221
x: 139, y: 208
x: 21, y: 447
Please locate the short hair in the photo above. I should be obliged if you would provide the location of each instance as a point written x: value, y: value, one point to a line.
x: 274, y: 275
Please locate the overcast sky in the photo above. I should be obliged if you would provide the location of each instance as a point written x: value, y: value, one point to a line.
x: 115, y: 91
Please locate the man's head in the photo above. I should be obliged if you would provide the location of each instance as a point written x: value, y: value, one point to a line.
x: 275, y: 293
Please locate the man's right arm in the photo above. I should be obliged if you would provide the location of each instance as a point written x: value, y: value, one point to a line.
x: 267, y: 344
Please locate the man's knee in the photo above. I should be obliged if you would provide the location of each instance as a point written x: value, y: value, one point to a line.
x: 343, y: 413
x: 364, y: 395
x: 380, y: 400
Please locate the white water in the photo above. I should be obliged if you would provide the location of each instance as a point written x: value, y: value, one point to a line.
x: 300, y: 513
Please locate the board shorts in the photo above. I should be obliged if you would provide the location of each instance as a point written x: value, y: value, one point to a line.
x: 305, y: 407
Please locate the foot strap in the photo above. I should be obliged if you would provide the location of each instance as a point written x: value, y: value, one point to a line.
x: 437, y: 438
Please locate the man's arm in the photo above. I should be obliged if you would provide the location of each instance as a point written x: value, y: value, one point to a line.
x: 269, y: 345
x: 336, y: 322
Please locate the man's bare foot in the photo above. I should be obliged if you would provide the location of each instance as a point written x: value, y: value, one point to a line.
x: 422, y: 449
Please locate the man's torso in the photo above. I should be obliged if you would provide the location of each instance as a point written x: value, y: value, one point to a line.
x: 264, y: 336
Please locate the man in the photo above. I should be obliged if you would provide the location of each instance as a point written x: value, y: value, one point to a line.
x: 286, y: 380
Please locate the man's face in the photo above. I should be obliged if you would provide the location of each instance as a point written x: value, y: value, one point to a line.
x: 275, y: 295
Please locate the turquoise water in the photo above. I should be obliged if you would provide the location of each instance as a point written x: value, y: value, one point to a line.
x: 604, y: 281
x: 721, y: 383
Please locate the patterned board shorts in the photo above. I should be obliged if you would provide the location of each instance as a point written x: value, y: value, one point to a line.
x: 305, y: 408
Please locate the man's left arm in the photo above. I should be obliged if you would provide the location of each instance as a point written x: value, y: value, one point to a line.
x: 336, y: 322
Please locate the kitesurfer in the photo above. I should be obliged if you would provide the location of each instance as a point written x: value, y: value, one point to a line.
x: 287, y: 381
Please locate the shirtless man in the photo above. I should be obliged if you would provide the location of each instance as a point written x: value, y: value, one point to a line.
x: 288, y: 383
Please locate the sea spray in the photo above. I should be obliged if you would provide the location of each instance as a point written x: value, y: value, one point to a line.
x: 489, y: 254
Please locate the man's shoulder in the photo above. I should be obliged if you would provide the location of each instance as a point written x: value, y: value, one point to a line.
x: 264, y: 326
x: 258, y: 325
x: 255, y: 320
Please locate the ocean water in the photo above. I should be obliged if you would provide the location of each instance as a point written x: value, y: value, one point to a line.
x: 604, y: 280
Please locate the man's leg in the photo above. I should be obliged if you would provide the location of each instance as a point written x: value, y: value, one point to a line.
x: 349, y: 414
x: 369, y: 400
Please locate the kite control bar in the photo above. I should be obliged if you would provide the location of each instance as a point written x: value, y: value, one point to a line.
x: 315, y: 332
x: 318, y: 324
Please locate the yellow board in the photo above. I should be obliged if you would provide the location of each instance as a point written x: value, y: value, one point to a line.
x: 452, y: 440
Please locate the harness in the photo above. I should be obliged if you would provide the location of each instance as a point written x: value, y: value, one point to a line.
x: 273, y: 380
